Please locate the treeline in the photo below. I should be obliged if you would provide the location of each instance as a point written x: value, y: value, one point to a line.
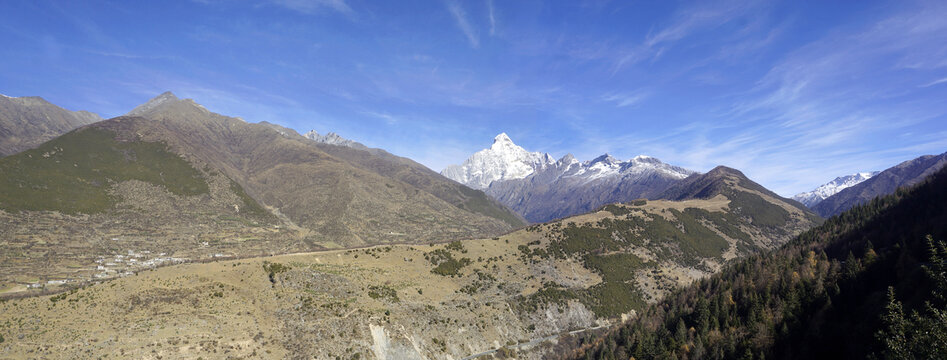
x: 869, y: 283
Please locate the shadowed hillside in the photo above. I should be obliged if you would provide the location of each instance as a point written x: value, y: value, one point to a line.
x: 868, y: 281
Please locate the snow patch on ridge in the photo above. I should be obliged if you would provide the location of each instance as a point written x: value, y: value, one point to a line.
x: 811, y: 198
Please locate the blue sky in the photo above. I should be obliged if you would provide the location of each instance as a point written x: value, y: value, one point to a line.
x: 793, y: 93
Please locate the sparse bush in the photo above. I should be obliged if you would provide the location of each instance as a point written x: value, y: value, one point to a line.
x: 383, y: 292
x: 273, y: 269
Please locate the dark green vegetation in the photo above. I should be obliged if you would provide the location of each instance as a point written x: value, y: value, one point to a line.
x: 683, y: 237
x: 907, y: 173
x: 383, y: 292
x: 679, y: 237
x: 445, y: 264
x: 743, y: 195
x: 72, y: 173
x: 867, y: 283
x: 250, y: 207
x: 273, y: 269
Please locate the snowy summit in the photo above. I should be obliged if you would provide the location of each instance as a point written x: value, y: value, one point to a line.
x: 504, y: 160
x: 816, y: 196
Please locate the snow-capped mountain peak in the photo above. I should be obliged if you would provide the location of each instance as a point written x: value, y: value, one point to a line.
x: 504, y: 160
x: 605, y: 159
x: 502, y: 138
x: 811, y: 198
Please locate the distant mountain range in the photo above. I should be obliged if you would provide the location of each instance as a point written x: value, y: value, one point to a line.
x: 811, y: 198
x: 26, y: 122
x: 540, y: 188
x: 907, y: 173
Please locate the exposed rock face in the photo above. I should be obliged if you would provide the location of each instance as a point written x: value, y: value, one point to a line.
x: 333, y: 139
x: 886, y: 182
x: 26, y: 122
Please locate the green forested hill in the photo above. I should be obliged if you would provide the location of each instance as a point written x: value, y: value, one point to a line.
x: 867, y: 283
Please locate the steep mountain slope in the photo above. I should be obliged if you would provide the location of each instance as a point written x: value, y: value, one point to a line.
x: 26, y: 122
x: 385, y: 164
x: 180, y: 180
x: 904, y: 174
x: 341, y: 204
x: 763, y: 207
x: 540, y: 189
x: 501, y: 295
x: 417, y: 175
x: 843, y: 290
x: 811, y: 198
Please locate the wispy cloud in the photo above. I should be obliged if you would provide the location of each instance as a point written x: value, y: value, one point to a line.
x: 935, y: 82
x: 492, y: 17
x: 463, y: 23
x: 314, y: 6
x: 388, y: 118
x: 685, y: 22
x: 625, y: 99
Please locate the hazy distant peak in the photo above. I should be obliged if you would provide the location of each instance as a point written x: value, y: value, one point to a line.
x: 31, y: 120
x: 568, y: 159
x: 812, y: 198
x: 332, y: 138
x: 165, y: 98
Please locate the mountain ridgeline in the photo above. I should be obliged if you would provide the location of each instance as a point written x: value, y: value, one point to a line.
x: 542, y: 189
x: 173, y: 178
x: 869, y: 282
x: 351, y: 200
x: 812, y: 198
x: 26, y: 122
x: 886, y: 182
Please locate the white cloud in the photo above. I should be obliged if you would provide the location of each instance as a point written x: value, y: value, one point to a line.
x: 460, y: 16
x: 388, y: 118
x: 492, y: 17
x: 314, y: 6
x: 625, y: 99
x: 935, y: 82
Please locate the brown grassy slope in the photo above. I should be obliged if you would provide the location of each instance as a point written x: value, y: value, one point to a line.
x: 339, y: 204
x: 397, y: 302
